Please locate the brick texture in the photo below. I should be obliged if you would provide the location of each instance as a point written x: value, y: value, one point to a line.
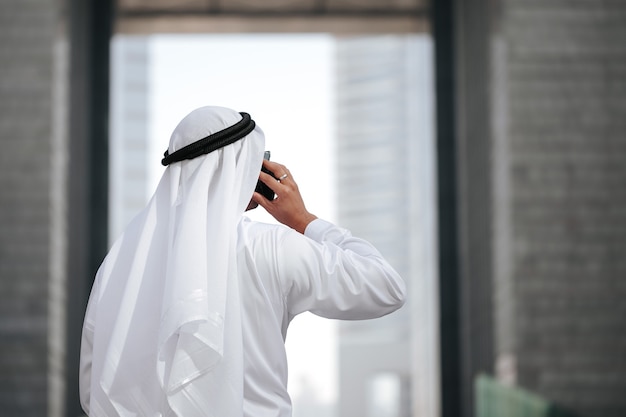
x: 566, y: 72
x: 27, y: 31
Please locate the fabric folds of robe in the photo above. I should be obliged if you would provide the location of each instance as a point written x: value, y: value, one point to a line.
x: 165, y: 304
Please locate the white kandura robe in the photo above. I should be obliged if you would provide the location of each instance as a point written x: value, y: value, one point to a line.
x: 282, y: 273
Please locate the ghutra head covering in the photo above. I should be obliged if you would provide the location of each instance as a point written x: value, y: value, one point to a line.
x: 167, y: 337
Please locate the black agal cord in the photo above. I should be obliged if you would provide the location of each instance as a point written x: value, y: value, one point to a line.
x: 212, y: 142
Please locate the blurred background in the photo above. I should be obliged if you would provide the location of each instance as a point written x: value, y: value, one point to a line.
x: 479, y: 144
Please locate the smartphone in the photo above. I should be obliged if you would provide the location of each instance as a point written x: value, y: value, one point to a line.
x: 261, y: 188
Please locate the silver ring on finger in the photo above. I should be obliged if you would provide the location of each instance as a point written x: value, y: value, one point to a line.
x: 282, y: 177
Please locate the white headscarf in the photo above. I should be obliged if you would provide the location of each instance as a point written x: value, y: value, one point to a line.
x: 167, y: 322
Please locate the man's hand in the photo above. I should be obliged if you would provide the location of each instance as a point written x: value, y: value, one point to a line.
x: 288, y: 206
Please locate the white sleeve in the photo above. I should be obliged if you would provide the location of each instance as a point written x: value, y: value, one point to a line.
x: 86, y: 351
x: 335, y: 275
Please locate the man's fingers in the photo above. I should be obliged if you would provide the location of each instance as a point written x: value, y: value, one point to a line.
x: 270, y: 181
x: 288, y: 207
x: 277, y: 169
x: 260, y: 200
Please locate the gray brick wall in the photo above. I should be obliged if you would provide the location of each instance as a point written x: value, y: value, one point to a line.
x: 27, y: 32
x: 565, y: 71
x: 541, y: 100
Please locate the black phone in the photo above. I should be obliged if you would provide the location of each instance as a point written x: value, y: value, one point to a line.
x: 261, y: 188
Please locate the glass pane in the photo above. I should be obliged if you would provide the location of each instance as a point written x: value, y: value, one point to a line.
x: 352, y: 119
x: 384, y: 395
